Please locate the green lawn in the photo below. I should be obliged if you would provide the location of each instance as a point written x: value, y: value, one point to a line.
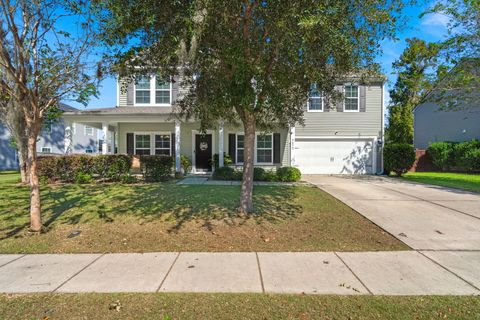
x: 9, y: 176
x: 234, y: 306
x: 465, y: 181
x: 171, y: 217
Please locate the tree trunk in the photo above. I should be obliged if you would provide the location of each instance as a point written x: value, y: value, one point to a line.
x: 35, y: 207
x: 23, y: 161
x: 246, y: 195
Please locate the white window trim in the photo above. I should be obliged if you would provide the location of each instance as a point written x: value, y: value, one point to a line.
x: 345, y: 98
x: 85, y: 130
x: 46, y: 148
x: 153, y: 91
x: 236, y: 146
x: 256, y: 148
x: 169, y: 134
x: 255, y: 162
x: 152, y: 141
x: 315, y: 110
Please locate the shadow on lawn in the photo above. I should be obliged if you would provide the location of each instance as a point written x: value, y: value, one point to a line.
x: 73, y: 204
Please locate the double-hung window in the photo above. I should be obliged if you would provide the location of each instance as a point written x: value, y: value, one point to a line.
x: 152, y: 91
x: 240, y: 147
x: 142, y: 90
x: 88, y: 131
x: 264, y: 145
x: 315, y: 100
x: 153, y: 143
x: 162, y: 144
x: 142, y: 144
x: 352, y: 99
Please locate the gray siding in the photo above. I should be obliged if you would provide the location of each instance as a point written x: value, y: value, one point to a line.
x: 432, y: 124
x: 367, y: 122
x: 8, y: 155
x: 53, y: 138
x: 81, y: 141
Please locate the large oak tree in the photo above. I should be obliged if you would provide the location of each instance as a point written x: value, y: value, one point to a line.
x: 248, y: 61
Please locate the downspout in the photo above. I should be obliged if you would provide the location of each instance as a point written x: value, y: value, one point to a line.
x: 383, y: 129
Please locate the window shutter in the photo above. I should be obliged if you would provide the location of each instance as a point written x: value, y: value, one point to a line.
x: 175, y: 84
x: 231, y: 147
x: 339, y: 103
x: 363, y: 102
x: 172, y: 144
x: 130, y: 93
x: 130, y: 146
x: 276, y: 148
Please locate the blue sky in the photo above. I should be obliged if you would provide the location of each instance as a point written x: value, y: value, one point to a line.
x: 431, y: 28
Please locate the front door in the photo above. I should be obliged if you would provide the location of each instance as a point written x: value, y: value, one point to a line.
x: 203, y: 152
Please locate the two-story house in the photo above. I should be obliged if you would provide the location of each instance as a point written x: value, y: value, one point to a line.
x: 341, y: 139
x: 52, y: 140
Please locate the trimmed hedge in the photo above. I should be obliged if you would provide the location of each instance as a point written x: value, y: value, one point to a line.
x: 156, y: 167
x: 442, y: 154
x: 455, y: 156
x: 398, y: 157
x: 284, y: 174
x: 289, y: 174
x: 83, y: 168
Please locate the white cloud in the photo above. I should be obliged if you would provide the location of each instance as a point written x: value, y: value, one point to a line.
x: 435, y: 20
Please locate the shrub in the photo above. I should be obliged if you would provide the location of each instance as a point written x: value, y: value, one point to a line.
x: 112, y: 167
x: 67, y: 168
x: 398, y: 157
x: 442, y: 154
x: 289, y: 174
x: 464, y: 154
x: 258, y: 174
x: 127, y: 178
x: 82, y: 178
x: 185, y: 163
x: 224, y: 173
x: 271, y: 176
x: 156, y: 167
x: 226, y: 160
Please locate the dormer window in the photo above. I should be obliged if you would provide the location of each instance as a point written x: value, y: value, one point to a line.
x: 152, y: 91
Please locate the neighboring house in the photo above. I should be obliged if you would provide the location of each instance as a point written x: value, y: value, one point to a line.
x: 343, y: 139
x: 433, y: 123
x: 52, y: 140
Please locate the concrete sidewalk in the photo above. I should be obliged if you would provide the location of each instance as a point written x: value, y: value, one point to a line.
x: 378, y: 273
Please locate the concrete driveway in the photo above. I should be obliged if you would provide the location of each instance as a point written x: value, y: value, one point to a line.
x: 424, y: 217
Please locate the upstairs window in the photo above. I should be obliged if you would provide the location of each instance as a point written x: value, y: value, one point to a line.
x: 88, y: 131
x: 352, y: 99
x: 153, y: 91
x: 142, y: 90
x: 315, y: 100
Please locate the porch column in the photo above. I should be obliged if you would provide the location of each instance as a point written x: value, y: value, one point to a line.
x: 220, y: 145
x: 68, y: 139
x: 105, y: 137
x: 112, y: 142
x: 178, y: 166
x: 292, y: 146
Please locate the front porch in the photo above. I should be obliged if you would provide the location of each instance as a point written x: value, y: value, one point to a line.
x: 161, y: 134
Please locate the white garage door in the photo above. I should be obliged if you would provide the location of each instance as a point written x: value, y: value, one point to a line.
x: 334, y: 156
